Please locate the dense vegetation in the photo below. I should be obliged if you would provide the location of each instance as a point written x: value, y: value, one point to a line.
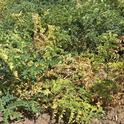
x: 64, y: 57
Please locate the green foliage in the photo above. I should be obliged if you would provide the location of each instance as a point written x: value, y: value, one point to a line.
x: 72, y: 103
x: 103, y: 91
x: 78, y: 66
x: 83, y: 25
x: 10, y: 105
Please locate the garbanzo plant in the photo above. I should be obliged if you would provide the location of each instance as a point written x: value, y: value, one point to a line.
x: 10, y: 107
x: 62, y: 55
x: 27, y: 90
x: 71, y: 103
x: 75, y: 68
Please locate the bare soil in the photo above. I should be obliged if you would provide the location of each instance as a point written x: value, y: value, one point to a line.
x: 113, y: 116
